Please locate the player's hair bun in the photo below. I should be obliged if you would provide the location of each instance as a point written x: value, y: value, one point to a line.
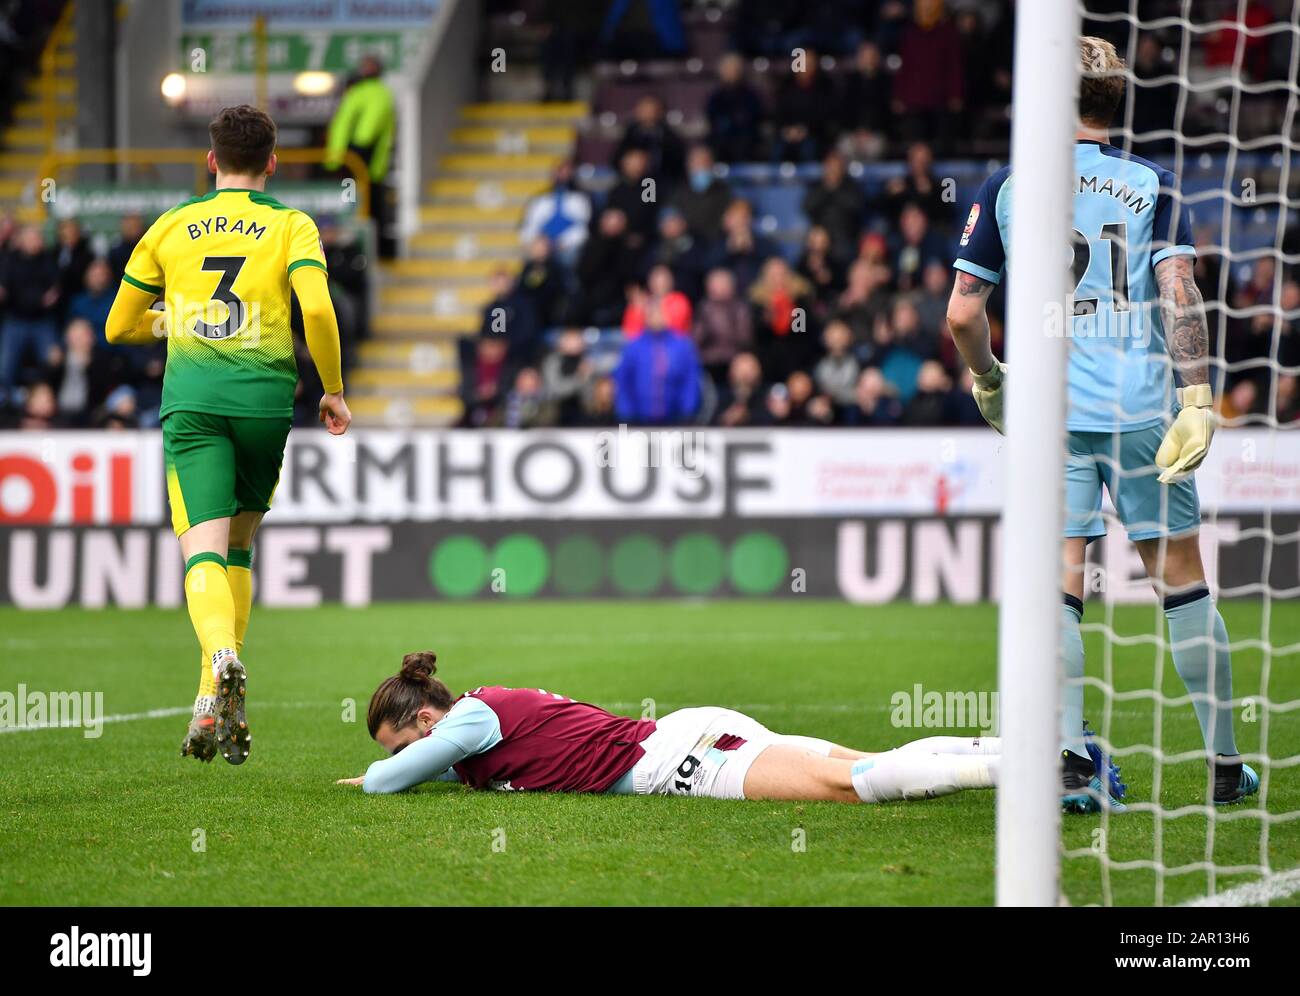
x: 400, y: 697
x: 420, y: 667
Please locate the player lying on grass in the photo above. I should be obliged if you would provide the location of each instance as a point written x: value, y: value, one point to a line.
x: 225, y: 265
x: 1138, y: 318
x: 529, y: 739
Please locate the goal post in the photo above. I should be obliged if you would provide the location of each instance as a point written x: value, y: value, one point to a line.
x: 1212, y: 102
x: 1029, y: 672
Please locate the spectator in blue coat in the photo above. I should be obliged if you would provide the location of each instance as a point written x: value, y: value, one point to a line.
x: 657, y: 381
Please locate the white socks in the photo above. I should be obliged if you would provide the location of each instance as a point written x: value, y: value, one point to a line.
x: 955, y: 745
x: 219, y: 660
x: 916, y: 774
x: 928, y: 768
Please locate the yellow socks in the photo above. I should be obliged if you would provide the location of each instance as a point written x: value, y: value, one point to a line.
x: 208, y: 615
x: 212, y: 610
x: 239, y: 569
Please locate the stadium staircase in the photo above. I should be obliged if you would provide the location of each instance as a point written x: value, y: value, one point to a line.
x: 49, y: 101
x: 501, y: 155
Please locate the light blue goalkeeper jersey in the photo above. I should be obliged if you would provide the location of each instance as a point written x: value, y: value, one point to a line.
x: 1126, y: 220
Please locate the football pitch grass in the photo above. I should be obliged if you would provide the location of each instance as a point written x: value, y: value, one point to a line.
x: 122, y: 819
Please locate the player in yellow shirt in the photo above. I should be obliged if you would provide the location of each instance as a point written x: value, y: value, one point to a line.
x: 225, y: 265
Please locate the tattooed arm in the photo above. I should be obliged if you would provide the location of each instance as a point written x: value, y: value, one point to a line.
x: 969, y: 323
x: 1187, y: 332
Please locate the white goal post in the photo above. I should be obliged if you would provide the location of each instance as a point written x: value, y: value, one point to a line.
x: 1029, y: 674
x: 1213, y: 96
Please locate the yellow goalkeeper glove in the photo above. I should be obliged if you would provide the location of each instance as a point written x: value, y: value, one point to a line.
x: 987, y: 390
x: 1188, y: 439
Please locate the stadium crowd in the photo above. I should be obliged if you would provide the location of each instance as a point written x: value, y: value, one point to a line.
x: 650, y: 292
x: 57, y: 368
x: 719, y: 325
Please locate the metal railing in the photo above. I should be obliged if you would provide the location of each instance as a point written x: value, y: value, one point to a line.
x: 55, y: 162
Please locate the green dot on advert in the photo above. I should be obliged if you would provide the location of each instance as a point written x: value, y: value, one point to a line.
x: 758, y: 563
x: 637, y: 565
x: 459, y: 566
x: 523, y: 565
x: 696, y: 563
x: 579, y: 565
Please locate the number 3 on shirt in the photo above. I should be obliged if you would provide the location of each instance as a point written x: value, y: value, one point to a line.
x: 228, y: 267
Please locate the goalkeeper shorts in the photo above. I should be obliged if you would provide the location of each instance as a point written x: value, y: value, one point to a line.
x: 218, y: 465
x: 1125, y: 464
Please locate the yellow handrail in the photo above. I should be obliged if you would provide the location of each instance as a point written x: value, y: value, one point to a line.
x: 259, y: 68
x: 49, y: 68
x: 53, y: 162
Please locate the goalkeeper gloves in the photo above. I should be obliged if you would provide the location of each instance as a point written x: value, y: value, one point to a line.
x: 1188, y: 439
x: 987, y: 390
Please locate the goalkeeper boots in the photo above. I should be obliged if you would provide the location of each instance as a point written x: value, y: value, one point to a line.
x: 233, y: 738
x: 1233, y: 782
x: 1082, y: 790
x: 1104, y: 767
x: 201, y: 738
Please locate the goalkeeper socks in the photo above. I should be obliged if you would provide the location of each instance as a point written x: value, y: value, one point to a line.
x: 239, y: 569
x: 211, y: 605
x: 988, y: 746
x: 1201, y: 657
x: 916, y: 775
x: 1072, y: 662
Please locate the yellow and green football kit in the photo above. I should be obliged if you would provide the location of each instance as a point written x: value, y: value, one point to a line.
x: 224, y: 264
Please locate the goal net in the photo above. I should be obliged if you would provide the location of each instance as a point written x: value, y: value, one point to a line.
x: 1210, y: 96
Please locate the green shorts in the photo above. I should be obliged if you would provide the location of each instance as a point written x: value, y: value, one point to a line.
x: 218, y: 465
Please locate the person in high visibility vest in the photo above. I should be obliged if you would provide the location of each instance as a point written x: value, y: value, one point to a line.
x: 366, y: 123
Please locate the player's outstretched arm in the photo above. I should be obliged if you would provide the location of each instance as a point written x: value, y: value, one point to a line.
x: 131, y: 321
x: 968, y: 321
x: 470, y: 728
x: 321, y: 328
x: 1187, y: 337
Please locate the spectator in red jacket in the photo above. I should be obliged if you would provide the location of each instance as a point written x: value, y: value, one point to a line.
x: 1221, y: 46
x: 782, y: 300
x: 673, y: 305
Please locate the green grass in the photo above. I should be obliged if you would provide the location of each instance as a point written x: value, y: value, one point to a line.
x: 113, y: 820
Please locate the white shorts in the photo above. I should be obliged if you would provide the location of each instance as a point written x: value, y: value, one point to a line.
x: 706, y: 752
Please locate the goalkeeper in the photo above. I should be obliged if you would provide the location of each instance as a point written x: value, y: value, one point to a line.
x: 1138, y: 320
x: 225, y: 265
